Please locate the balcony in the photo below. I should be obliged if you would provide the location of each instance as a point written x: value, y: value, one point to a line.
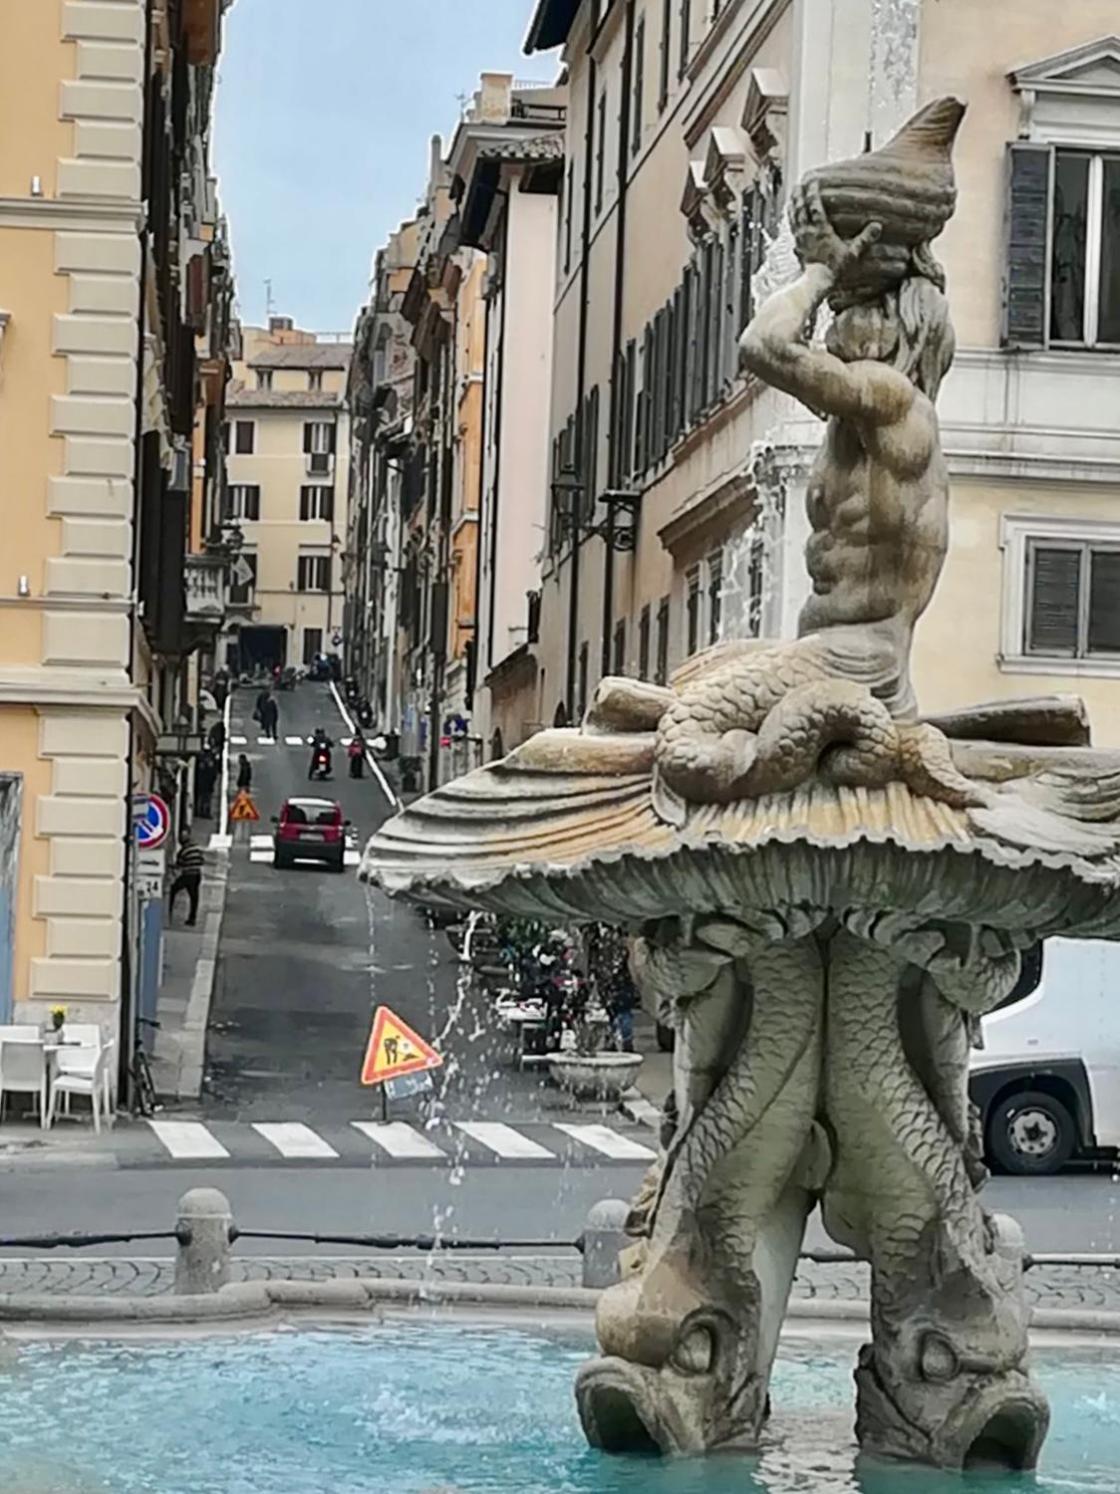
x: 206, y: 581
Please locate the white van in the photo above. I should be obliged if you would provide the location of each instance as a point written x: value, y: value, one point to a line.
x: 1047, y: 1079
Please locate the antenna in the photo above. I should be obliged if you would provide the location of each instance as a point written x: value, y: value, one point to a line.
x: 268, y: 302
x: 462, y: 100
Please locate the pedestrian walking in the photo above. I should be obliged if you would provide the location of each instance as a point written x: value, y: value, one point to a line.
x: 220, y: 688
x: 205, y: 777
x: 620, y: 997
x: 244, y: 773
x: 217, y: 738
x: 188, y: 878
x: 270, y: 718
x: 357, y: 755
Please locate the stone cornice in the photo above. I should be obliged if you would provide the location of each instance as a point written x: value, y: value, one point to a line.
x: 70, y: 214
x: 46, y: 687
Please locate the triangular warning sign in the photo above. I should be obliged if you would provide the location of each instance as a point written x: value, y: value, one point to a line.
x: 394, y: 1049
x: 243, y: 808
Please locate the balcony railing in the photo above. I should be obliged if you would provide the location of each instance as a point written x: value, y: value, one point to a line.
x: 206, y: 582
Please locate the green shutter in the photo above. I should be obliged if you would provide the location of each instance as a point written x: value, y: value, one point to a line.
x: 1029, y: 171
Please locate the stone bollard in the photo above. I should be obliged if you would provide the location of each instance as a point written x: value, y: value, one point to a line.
x: 603, y: 1238
x: 205, y: 1220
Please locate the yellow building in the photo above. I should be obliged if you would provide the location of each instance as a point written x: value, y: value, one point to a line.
x: 94, y: 617
x: 287, y: 461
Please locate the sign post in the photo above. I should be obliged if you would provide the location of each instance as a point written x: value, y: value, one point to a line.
x: 397, y: 1058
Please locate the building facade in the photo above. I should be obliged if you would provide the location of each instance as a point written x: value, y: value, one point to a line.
x: 110, y: 268
x: 287, y: 445
x: 507, y: 165
x: 677, y: 495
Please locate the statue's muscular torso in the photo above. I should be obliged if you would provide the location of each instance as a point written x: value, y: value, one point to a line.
x: 878, y: 512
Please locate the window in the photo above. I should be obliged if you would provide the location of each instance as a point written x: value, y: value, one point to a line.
x: 243, y: 578
x: 315, y: 376
x: 662, y: 675
x: 1073, y: 598
x: 756, y: 584
x: 313, y: 573
x: 581, y: 695
x: 1062, y: 286
x: 639, y: 86
x: 316, y: 502
x: 601, y: 150
x: 692, y: 608
x: 666, y: 42
x: 312, y: 644
x: 685, y: 39
x: 319, y: 437
x: 244, y: 432
x: 243, y: 501
x: 264, y: 378
x: 618, y: 663
x: 715, y: 595
x: 643, y: 644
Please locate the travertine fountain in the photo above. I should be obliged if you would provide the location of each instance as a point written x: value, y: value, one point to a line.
x: 826, y: 890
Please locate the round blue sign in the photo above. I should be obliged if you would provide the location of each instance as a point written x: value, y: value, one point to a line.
x: 153, y: 821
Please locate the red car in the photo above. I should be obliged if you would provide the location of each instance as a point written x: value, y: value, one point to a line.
x: 310, y: 830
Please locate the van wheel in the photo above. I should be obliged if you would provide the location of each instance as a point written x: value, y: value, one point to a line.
x: 1031, y: 1133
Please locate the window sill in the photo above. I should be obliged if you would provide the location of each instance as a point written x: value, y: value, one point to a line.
x: 1102, y: 668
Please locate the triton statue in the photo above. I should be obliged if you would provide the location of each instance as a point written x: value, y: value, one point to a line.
x: 824, y: 889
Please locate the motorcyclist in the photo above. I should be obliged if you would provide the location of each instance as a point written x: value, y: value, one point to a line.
x: 321, y: 746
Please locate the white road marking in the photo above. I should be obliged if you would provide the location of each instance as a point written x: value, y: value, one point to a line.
x: 239, y: 741
x: 375, y: 766
x: 295, y: 742
x: 293, y: 1139
x: 353, y: 858
x: 257, y: 841
x: 266, y: 741
x: 398, y: 1139
x: 503, y: 1140
x: 609, y: 1143
x: 220, y: 842
x: 187, y: 1140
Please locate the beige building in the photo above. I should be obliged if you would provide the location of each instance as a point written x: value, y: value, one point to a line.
x: 677, y: 503
x: 98, y: 323
x: 287, y: 459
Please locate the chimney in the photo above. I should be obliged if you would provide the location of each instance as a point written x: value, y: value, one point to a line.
x: 492, y: 101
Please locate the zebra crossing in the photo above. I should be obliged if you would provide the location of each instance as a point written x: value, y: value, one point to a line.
x: 261, y: 849
x: 375, y: 1143
x: 288, y: 741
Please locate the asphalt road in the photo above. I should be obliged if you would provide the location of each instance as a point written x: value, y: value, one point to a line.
x: 307, y: 955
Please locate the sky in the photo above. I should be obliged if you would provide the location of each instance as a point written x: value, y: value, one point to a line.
x: 324, y: 113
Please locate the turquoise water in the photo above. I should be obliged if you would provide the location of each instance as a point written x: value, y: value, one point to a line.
x: 443, y: 1408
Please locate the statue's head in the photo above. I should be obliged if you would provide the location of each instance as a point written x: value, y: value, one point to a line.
x: 907, y: 326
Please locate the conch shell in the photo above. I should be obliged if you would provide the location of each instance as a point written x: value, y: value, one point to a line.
x: 906, y: 185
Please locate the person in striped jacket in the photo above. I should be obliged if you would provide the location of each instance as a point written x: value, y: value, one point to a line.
x: 188, y: 878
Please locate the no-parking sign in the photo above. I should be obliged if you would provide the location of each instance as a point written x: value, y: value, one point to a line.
x: 153, y: 821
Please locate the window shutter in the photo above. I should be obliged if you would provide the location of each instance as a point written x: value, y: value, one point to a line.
x: 1054, y: 600
x: 1029, y: 170
x: 307, y: 430
x: 253, y: 503
x: 1104, y: 602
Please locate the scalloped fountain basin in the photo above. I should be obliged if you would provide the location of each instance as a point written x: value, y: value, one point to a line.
x: 423, y: 1407
x: 595, y: 1076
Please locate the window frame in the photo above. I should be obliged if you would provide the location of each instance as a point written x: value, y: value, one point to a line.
x: 238, y: 427
x: 637, y: 101
x: 662, y: 657
x: 236, y: 506
x: 643, y: 642
x: 315, y: 380
x: 306, y: 503
x: 1016, y: 533
x: 713, y: 595
x: 313, y: 560
x: 264, y: 378
x: 1095, y: 225
x: 601, y: 147
x: 693, y: 612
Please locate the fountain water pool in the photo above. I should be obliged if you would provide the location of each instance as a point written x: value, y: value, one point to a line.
x: 454, y: 1408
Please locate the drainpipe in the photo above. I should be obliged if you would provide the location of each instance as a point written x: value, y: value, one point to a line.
x: 126, y: 1031
x: 581, y: 376
x: 624, y: 116
x: 499, y: 393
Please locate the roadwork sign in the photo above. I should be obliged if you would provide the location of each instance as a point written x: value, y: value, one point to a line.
x: 394, y: 1049
x: 243, y: 808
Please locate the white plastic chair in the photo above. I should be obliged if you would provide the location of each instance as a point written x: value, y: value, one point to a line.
x: 90, y: 1082
x: 81, y: 1062
x: 19, y: 1032
x: 23, y: 1071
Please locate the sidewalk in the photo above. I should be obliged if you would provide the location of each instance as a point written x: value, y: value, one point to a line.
x: 190, y: 963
